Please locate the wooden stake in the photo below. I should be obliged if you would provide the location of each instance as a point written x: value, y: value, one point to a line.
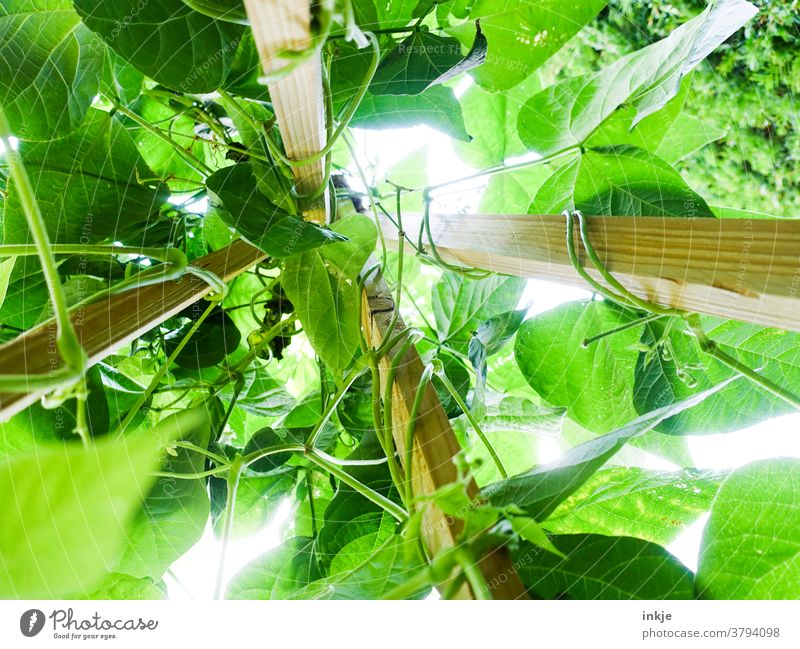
x: 108, y: 324
x: 280, y: 27
x: 435, y: 445
x: 745, y: 269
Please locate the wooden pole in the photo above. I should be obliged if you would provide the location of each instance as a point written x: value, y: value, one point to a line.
x: 435, y: 445
x: 745, y: 269
x: 281, y: 27
x: 105, y: 326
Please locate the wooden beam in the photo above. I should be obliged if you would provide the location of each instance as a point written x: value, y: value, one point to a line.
x: 745, y: 269
x: 435, y: 445
x: 280, y: 27
x: 105, y: 326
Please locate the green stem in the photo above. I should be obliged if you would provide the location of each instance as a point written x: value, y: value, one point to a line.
x: 192, y: 476
x: 234, y: 473
x: 382, y: 501
x: 222, y: 461
x: 198, y: 165
x: 715, y: 351
x: 624, y: 327
x: 477, y: 582
x: 333, y: 402
x: 457, y: 398
x: 365, y: 182
x: 163, y: 370
x: 67, y: 341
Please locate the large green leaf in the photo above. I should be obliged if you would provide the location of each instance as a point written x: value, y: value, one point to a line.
x: 234, y: 190
x: 119, y: 586
x: 71, y: 507
x: 594, y: 383
x: 461, y: 304
x: 491, y: 118
x: 257, y: 498
x: 673, y: 373
x: 618, y: 181
x: 166, y: 40
x: 751, y: 544
x: 523, y: 34
x: 437, y: 107
x: 380, y: 569
x: 277, y: 574
x: 50, y: 67
x: 542, y: 489
x: 569, y: 112
x: 603, y: 567
x: 650, y: 505
x: 423, y: 60
x: 87, y: 185
x: 323, y: 286
x: 174, y: 514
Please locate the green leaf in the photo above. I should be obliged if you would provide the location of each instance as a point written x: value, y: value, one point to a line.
x: 672, y: 374
x: 120, y: 79
x: 423, y: 60
x: 269, y: 227
x: 491, y: 118
x: 603, y: 567
x: 389, y: 566
x: 566, y: 114
x: 6, y: 268
x: 87, y: 185
x: 71, y: 507
x: 437, y: 107
x: 124, y: 587
x: 323, y: 286
x: 751, y: 547
x: 277, y: 574
x: 262, y: 395
x: 216, y: 337
x: 50, y: 67
x: 166, y: 40
x: 512, y: 192
x: 618, y: 181
x: 175, y: 512
x: 594, y: 383
x: 460, y: 304
x: 649, y: 505
x: 522, y: 35
x: 539, y: 491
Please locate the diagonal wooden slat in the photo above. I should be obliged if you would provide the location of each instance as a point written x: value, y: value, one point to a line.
x: 746, y: 269
x: 114, y: 321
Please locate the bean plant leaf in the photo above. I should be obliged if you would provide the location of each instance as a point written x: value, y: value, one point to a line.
x: 215, y: 338
x: 45, y: 491
x: 437, y: 107
x: 539, y: 491
x: 460, y: 304
x: 166, y: 40
x: 124, y: 587
x: 87, y: 186
x: 522, y: 35
x: 257, y: 499
x: 268, y: 226
x: 277, y: 574
x: 603, y: 567
x: 618, y: 181
x: 423, y: 60
x: 678, y: 369
x: 750, y: 547
x: 174, y: 514
x: 567, y: 113
x: 323, y: 286
x: 651, y: 505
x: 50, y: 67
x: 594, y: 383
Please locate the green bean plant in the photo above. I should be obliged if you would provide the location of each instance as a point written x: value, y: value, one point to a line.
x: 138, y: 137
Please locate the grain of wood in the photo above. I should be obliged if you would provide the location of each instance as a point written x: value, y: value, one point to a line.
x: 745, y: 269
x: 114, y: 321
x: 281, y: 26
x: 435, y: 445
